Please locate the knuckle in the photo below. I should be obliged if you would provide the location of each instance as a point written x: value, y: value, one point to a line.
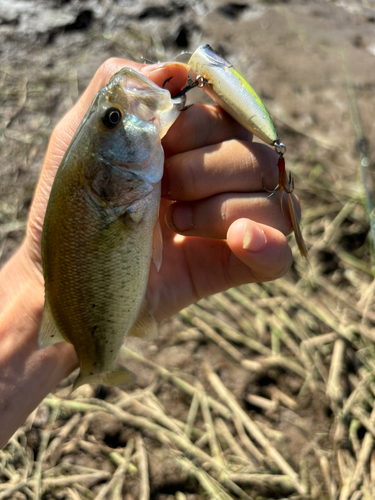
x: 109, y: 68
x: 190, y: 176
x: 225, y: 218
x: 282, y: 264
x: 105, y: 71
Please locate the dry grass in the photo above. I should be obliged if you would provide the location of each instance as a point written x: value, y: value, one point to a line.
x: 307, y: 332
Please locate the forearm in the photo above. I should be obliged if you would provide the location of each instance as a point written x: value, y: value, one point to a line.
x: 27, y: 374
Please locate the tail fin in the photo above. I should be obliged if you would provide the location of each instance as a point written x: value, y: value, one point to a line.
x: 118, y: 376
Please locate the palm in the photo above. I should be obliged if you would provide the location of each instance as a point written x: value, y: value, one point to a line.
x: 188, y: 270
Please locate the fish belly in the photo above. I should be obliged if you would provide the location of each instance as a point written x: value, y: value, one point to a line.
x: 96, y: 270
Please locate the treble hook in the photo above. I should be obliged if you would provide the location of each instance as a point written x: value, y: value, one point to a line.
x: 180, y: 94
x: 286, y: 184
x: 166, y: 81
x: 199, y: 82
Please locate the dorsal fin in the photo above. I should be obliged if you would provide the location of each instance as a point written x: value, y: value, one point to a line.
x: 48, y: 333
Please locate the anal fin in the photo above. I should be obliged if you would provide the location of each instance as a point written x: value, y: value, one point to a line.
x: 48, y: 333
x: 145, y: 326
x: 157, y: 246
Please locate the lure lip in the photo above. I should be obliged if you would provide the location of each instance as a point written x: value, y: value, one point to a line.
x: 217, y: 59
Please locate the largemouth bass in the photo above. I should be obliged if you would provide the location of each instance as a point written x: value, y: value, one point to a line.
x: 101, y: 231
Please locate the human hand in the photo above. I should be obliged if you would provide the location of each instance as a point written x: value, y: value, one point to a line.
x: 215, y: 173
x: 233, y: 231
x: 213, y: 170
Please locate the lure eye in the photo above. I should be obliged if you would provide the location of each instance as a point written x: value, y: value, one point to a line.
x: 111, y: 117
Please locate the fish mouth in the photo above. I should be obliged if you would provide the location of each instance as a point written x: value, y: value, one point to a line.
x: 169, y: 116
x: 179, y: 101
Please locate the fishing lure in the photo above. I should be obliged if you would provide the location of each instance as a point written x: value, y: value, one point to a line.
x: 218, y: 78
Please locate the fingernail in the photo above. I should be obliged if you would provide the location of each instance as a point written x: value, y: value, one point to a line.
x: 254, y: 238
x: 179, y: 217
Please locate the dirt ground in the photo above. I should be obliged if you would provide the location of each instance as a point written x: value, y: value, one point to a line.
x: 261, y: 392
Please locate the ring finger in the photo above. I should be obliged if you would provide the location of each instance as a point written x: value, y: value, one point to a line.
x: 232, y: 166
x: 212, y: 217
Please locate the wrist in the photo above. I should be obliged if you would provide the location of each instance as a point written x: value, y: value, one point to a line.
x: 22, y: 289
x: 27, y: 373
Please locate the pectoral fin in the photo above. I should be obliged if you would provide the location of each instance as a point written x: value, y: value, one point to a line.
x: 145, y: 326
x: 48, y: 333
x: 157, y: 246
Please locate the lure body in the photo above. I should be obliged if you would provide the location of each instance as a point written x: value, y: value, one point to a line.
x: 232, y: 92
x: 101, y: 231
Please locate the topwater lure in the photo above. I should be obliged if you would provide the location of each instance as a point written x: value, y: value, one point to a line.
x: 218, y: 78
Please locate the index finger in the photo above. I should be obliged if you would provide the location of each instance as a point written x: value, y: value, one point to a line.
x: 175, y: 72
x: 200, y: 126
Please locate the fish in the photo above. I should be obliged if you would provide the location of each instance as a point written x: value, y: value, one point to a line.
x: 228, y: 88
x: 101, y: 229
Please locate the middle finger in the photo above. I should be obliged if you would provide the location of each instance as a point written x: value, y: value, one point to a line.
x: 232, y: 166
x: 200, y: 126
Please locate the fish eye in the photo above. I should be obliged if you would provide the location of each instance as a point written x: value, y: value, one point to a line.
x: 111, y: 117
